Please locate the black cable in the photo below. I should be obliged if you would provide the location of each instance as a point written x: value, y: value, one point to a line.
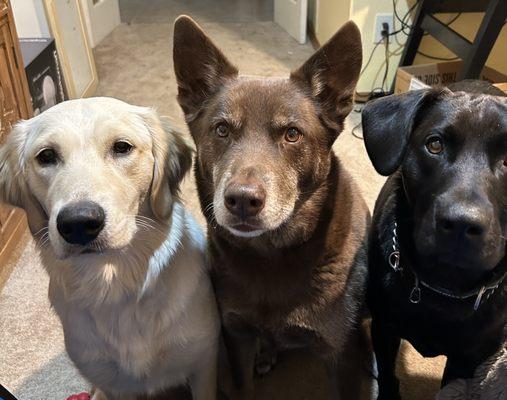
x: 376, y: 92
x: 453, y: 20
x: 370, y: 58
x: 386, y: 55
x: 354, y: 129
x: 404, y: 21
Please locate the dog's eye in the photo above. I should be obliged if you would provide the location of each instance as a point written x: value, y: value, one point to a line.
x: 292, y: 135
x: 434, y: 144
x: 47, y: 157
x: 122, y: 147
x: 222, y: 130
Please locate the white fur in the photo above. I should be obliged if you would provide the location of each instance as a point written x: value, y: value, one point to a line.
x: 164, y: 332
x: 250, y: 234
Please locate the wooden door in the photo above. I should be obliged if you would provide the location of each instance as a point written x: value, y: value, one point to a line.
x: 15, y: 103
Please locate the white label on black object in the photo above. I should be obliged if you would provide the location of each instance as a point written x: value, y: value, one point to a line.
x: 416, y: 84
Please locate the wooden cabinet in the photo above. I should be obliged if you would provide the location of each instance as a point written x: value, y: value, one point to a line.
x: 15, y: 103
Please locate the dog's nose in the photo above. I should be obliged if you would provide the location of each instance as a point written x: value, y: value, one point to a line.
x: 465, y: 223
x: 245, y: 200
x: 80, y: 222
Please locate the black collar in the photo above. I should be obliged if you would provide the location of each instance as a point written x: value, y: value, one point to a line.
x: 484, y: 291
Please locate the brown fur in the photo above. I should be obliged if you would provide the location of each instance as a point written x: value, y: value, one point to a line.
x: 299, y: 282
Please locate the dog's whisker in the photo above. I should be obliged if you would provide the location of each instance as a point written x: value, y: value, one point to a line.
x: 148, y: 227
x: 43, y: 240
x: 44, y: 228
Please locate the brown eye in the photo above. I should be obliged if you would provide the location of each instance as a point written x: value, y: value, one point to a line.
x: 434, y: 144
x: 47, y: 157
x: 292, y: 135
x: 122, y: 147
x: 222, y: 130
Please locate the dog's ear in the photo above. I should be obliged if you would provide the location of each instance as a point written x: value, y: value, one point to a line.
x: 388, y: 123
x: 200, y: 66
x: 13, y: 186
x: 180, y: 158
x: 331, y: 75
x: 172, y: 160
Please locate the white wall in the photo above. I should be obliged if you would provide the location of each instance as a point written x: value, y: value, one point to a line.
x: 30, y: 18
x: 363, y: 13
x: 101, y: 18
x: 329, y: 15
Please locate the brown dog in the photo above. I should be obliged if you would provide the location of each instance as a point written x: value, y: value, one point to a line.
x: 286, y: 224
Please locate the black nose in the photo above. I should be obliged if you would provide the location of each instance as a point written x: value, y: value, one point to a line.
x: 245, y: 200
x: 80, y: 222
x: 464, y: 223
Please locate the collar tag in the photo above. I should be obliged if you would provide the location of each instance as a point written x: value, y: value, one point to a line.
x: 415, y: 294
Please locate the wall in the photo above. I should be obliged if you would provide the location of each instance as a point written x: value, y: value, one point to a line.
x: 363, y: 13
x: 329, y: 15
x: 101, y: 18
x: 30, y: 18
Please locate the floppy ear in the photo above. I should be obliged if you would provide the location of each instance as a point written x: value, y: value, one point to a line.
x: 173, y: 159
x: 200, y: 66
x: 331, y: 75
x: 388, y: 123
x: 13, y: 185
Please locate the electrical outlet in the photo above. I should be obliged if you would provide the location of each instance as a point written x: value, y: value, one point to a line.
x: 380, y: 19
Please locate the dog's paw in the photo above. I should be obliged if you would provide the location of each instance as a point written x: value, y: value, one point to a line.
x: 96, y: 394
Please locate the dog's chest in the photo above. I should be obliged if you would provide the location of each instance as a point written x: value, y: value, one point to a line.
x: 278, y: 284
x: 438, y: 325
x: 292, y: 312
x: 145, y: 340
x: 130, y: 336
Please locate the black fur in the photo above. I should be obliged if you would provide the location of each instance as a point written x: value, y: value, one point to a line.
x: 467, y: 179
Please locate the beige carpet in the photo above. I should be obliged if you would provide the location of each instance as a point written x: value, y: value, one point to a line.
x: 134, y: 64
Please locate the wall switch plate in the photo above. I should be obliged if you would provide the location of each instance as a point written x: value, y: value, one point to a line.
x: 380, y: 19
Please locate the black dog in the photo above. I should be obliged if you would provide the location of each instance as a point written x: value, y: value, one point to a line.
x: 437, y: 245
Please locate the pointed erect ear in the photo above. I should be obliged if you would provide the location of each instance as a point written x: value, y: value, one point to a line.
x: 331, y: 74
x: 200, y: 66
x: 388, y: 123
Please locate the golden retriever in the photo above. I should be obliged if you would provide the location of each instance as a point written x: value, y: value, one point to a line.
x: 99, y: 181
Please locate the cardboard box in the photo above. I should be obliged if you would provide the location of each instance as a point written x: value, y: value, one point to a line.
x: 43, y: 72
x: 415, y: 77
